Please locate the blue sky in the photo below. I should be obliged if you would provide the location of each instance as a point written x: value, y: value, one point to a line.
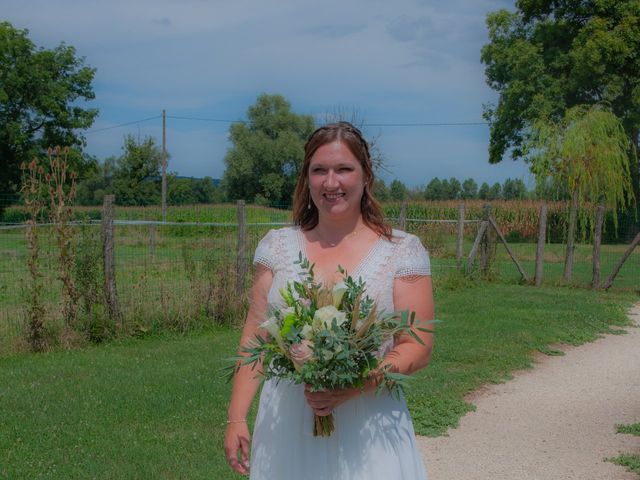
x: 406, y: 61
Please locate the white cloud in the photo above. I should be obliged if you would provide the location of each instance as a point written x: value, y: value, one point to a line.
x: 395, y: 62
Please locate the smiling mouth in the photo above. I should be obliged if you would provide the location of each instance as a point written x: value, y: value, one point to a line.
x: 333, y: 196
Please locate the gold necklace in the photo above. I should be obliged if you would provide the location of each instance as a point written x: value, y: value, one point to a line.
x: 348, y: 235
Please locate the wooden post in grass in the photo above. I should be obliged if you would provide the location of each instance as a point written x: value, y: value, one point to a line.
x: 626, y: 255
x: 241, y: 262
x: 460, y: 239
x: 402, y: 219
x: 542, y: 238
x: 152, y: 239
x: 506, y: 245
x: 108, y: 255
x: 597, y: 241
x: 487, y: 244
x: 476, y: 244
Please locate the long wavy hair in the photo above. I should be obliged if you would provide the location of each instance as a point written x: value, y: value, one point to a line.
x: 305, y: 213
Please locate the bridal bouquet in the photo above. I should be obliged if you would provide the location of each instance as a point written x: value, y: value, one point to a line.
x: 328, y: 338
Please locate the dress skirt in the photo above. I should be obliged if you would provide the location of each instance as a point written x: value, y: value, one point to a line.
x: 373, y: 439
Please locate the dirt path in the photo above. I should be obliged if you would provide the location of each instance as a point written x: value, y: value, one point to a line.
x: 556, y: 421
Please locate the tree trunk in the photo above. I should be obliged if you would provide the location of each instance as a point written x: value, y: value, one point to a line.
x: 597, y: 242
x: 571, y: 236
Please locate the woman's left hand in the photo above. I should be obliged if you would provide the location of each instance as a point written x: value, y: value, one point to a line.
x: 325, y: 402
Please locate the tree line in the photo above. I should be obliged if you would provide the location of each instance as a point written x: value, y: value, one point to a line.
x: 453, y: 189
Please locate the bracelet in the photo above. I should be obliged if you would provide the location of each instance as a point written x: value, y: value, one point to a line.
x: 243, y: 420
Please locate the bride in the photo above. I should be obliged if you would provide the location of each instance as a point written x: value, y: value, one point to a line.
x: 338, y: 222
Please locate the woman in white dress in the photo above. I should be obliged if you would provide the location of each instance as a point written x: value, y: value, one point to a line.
x: 338, y: 222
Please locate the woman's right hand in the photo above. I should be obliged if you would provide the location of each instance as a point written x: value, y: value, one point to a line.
x: 236, y: 446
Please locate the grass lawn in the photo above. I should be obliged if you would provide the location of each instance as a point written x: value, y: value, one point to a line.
x: 155, y: 408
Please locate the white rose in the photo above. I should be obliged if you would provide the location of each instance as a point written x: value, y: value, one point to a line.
x: 271, y: 326
x: 325, y: 315
x: 339, y: 289
x: 307, y: 332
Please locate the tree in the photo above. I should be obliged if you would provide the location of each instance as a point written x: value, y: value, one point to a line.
x: 137, y: 173
x: 469, y: 189
x: 552, y: 55
x: 455, y: 189
x: 180, y: 190
x: 40, y: 93
x: 397, y: 190
x: 495, y: 192
x: 587, y: 150
x: 266, y: 157
x: 434, y: 190
x: 380, y: 190
x: 96, y: 181
x: 206, y: 191
x: 483, y: 193
x: 514, y: 189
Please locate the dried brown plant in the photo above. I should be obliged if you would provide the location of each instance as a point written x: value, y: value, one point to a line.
x: 61, y: 182
x: 35, y: 311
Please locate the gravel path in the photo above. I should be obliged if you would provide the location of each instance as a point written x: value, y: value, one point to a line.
x: 555, y: 421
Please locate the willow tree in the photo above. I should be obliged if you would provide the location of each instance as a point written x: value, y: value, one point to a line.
x: 587, y: 151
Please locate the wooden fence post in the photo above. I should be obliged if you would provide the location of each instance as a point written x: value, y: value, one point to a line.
x: 496, y: 229
x: 108, y: 255
x: 241, y: 265
x: 460, y: 239
x: 402, y: 219
x: 597, y: 241
x: 626, y: 254
x: 152, y: 239
x: 476, y: 244
x: 542, y: 238
x: 487, y: 244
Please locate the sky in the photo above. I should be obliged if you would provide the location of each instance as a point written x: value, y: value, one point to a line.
x: 400, y: 62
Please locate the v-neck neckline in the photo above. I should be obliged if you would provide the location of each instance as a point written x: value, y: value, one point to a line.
x: 302, y: 247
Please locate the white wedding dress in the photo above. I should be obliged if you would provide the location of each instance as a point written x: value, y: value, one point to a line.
x: 373, y: 437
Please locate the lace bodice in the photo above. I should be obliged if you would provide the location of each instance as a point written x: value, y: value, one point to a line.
x: 403, y: 256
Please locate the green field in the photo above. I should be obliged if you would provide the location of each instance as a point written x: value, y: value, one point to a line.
x: 180, y: 277
x: 151, y: 403
x: 155, y: 408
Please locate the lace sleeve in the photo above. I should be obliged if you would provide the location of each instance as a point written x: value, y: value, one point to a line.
x: 413, y: 258
x: 264, y: 254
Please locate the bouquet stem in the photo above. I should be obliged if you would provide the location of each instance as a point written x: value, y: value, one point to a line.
x: 323, y: 426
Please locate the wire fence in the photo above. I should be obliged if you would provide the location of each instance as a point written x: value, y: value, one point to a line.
x: 186, y: 271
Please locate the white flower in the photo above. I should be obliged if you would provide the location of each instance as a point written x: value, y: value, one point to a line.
x: 339, y: 289
x: 307, y: 332
x: 325, y: 315
x: 271, y: 326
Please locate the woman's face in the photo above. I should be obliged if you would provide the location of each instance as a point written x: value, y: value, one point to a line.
x: 336, y: 180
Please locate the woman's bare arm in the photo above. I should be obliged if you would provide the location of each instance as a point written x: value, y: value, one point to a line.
x: 245, y: 381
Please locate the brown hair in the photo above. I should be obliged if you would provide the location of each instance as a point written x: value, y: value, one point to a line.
x: 350, y: 136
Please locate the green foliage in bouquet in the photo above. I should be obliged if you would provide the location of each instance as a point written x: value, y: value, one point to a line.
x: 328, y: 337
